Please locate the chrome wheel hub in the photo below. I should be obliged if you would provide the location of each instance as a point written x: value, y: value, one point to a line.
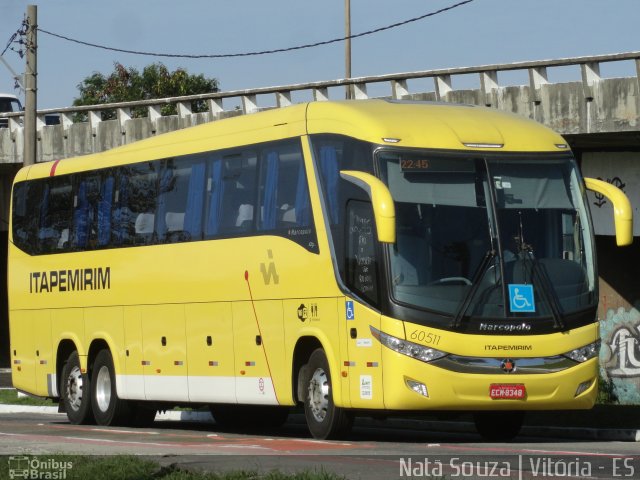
x: 318, y: 395
x: 74, y: 389
x: 103, y: 389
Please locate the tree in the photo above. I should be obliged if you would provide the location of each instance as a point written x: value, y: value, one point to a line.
x: 156, y: 81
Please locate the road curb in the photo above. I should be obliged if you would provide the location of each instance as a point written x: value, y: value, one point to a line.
x: 578, y: 433
x: 4, y: 408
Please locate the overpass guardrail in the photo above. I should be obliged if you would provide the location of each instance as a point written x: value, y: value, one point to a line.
x: 485, y: 89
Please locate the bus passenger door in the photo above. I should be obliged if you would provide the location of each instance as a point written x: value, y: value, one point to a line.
x: 210, y: 352
x: 259, y: 351
x: 164, y: 353
x: 365, y: 369
x: 364, y: 356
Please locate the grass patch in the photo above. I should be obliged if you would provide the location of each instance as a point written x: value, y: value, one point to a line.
x: 10, y: 397
x: 126, y: 467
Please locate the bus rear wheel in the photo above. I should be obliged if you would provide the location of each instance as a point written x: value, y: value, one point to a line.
x: 501, y: 426
x: 324, y: 419
x: 108, y: 409
x: 76, y: 391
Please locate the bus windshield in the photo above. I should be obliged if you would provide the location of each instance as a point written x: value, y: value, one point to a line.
x: 488, y: 237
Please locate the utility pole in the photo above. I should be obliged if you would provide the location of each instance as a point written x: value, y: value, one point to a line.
x: 31, y: 86
x: 347, y: 44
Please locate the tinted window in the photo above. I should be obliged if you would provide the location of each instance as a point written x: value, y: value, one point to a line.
x: 56, y: 214
x: 212, y: 195
x: 361, y: 259
x: 180, y: 199
x: 231, y: 192
x: 333, y: 153
x: 86, y: 203
x: 27, y: 197
x: 284, y: 192
x: 133, y: 218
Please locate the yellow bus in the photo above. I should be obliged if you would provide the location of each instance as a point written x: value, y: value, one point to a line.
x: 359, y: 256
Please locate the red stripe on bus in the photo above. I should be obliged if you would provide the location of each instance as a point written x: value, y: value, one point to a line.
x: 53, y: 168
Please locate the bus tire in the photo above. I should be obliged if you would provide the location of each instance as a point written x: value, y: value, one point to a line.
x: 501, y: 426
x: 76, y: 391
x: 108, y: 409
x: 324, y: 419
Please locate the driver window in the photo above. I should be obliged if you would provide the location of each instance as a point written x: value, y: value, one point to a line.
x: 362, y: 271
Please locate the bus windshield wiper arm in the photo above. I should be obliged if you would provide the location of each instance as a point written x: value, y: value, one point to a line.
x: 538, y: 270
x: 477, y: 276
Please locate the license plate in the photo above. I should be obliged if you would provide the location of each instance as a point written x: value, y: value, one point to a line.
x: 514, y: 391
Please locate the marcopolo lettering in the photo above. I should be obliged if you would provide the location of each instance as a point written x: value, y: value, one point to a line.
x: 77, y: 280
x: 504, y: 327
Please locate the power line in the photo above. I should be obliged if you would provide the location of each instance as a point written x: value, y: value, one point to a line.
x: 19, y: 35
x: 262, y: 52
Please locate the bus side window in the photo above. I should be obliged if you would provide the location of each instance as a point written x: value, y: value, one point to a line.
x: 104, y: 214
x: 121, y: 233
x: 85, y: 214
x: 232, y: 194
x: 180, y: 201
x: 166, y: 187
x: 56, y: 215
x: 215, y: 193
x: 362, y: 270
x: 194, y: 208
x: 284, y: 194
x: 333, y: 153
x: 27, y: 197
x: 134, y: 215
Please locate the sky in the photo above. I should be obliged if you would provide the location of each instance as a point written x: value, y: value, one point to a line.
x: 482, y: 32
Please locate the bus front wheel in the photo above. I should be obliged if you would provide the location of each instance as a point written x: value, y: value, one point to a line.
x: 108, y: 409
x: 324, y: 419
x: 76, y: 391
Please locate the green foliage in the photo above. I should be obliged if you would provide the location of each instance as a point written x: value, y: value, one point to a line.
x: 155, y: 81
x: 10, y: 397
x: 606, y: 392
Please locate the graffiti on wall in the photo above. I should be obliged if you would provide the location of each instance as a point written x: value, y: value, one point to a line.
x: 600, y: 199
x: 620, y: 353
x: 621, y: 170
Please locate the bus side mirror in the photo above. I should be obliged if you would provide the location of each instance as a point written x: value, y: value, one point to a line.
x: 622, y: 211
x: 383, y: 208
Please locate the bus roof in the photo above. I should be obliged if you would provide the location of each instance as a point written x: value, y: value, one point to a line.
x: 403, y: 123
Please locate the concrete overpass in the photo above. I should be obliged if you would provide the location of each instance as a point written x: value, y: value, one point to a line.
x: 598, y: 115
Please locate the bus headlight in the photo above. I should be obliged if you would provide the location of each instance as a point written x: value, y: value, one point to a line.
x: 410, y: 349
x: 585, y: 353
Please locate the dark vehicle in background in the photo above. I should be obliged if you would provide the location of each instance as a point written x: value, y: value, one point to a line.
x: 8, y: 103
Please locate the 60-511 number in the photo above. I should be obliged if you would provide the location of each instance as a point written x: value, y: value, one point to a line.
x: 428, y: 338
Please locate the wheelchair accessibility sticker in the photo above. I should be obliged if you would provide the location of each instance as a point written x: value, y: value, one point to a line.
x: 521, y: 298
x: 349, y: 310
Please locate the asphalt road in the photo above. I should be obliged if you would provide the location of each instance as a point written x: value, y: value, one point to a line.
x: 374, y: 451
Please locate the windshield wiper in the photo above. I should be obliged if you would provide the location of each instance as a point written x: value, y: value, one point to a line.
x: 548, y: 294
x: 477, y: 276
